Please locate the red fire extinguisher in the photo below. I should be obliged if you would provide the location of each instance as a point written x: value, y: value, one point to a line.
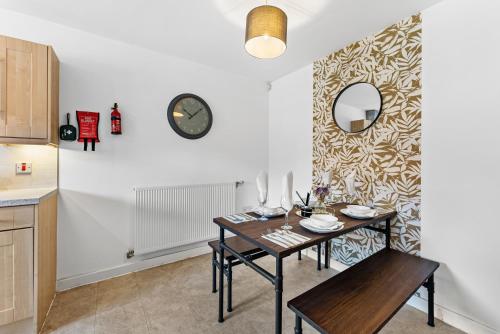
x: 116, y: 120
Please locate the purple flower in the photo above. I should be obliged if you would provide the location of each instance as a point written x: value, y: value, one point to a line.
x: 321, y: 192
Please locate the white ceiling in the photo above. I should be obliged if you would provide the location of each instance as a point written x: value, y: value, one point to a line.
x: 212, y: 31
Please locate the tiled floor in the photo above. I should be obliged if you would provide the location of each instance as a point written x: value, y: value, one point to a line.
x: 177, y: 298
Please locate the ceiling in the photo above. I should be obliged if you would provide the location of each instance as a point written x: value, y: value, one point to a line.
x: 211, y: 32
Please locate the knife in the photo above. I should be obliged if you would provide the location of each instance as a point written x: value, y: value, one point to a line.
x: 277, y: 236
x: 275, y: 241
x: 274, y: 236
x: 289, y: 236
x: 299, y: 236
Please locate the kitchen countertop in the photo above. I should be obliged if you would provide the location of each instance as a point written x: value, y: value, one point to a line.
x: 16, y: 197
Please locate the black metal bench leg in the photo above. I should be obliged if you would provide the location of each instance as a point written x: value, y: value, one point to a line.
x: 388, y: 233
x: 278, y: 288
x: 327, y: 254
x: 214, y: 271
x: 298, y: 325
x: 230, y: 286
x: 221, y: 275
x: 430, y: 297
x: 299, y: 255
x: 318, y: 246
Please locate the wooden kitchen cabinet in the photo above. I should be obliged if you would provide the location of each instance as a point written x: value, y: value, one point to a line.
x: 29, y: 92
x: 16, y: 275
x: 28, y: 261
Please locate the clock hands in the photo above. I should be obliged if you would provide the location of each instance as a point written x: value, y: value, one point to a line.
x: 196, y: 113
x: 190, y: 116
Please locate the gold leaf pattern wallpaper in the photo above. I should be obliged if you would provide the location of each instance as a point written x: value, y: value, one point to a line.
x: 386, y: 157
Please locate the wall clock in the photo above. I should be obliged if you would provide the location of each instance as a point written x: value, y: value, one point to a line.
x: 189, y: 116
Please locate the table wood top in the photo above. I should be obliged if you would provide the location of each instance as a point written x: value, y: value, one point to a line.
x: 252, y: 231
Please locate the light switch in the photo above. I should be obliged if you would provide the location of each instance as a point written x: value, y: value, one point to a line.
x: 23, y: 168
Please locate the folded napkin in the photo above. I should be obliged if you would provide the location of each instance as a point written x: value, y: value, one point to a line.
x: 326, y: 178
x: 286, y: 191
x: 350, y: 183
x: 320, y: 223
x: 262, y: 186
x: 315, y: 224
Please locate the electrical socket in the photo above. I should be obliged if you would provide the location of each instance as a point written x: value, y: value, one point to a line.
x: 23, y: 168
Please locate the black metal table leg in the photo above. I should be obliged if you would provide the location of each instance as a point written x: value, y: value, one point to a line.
x: 214, y: 272
x: 299, y: 255
x: 319, y: 255
x: 388, y: 233
x: 221, y: 275
x: 278, y: 287
x: 229, y: 286
x: 327, y: 254
x: 430, y: 298
x: 298, y: 325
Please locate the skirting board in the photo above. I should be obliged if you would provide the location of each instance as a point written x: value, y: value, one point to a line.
x: 454, y: 319
x: 135, y: 264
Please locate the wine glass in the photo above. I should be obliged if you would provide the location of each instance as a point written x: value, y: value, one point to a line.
x: 287, y: 205
x: 262, y: 199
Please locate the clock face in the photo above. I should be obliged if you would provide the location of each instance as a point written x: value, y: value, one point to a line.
x: 190, y: 116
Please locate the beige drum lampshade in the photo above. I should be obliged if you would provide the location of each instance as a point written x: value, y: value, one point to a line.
x: 266, y: 32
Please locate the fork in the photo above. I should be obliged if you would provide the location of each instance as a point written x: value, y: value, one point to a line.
x: 273, y: 234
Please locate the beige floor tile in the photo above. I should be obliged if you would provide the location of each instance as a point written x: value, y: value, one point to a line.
x: 177, y: 298
x: 124, y: 319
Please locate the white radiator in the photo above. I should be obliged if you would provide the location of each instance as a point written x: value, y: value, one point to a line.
x: 169, y: 217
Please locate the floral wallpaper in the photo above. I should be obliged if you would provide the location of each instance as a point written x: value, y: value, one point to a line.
x: 386, y: 157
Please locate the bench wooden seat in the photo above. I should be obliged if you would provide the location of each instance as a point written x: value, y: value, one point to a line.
x: 236, y: 243
x: 363, y: 298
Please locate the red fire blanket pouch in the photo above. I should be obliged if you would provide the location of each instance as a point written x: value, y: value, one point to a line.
x: 88, y: 124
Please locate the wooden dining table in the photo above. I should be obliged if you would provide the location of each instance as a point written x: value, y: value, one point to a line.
x: 252, y: 231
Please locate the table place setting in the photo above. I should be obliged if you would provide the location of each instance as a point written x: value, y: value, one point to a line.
x: 285, y: 238
x: 269, y: 212
x: 238, y: 218
x: 359, y: 211
x: 322, y: 223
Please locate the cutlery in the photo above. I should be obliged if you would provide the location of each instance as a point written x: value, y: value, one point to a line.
x: 236, y: 218
x: 307, y: 198
x: 275, y: 241
x: 248, y: 216
x: 299, y: 236
x: 289, y: 236
x: 273, y: 235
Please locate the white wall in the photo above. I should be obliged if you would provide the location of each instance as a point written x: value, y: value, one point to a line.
x: 96, y: 188
x: 461, y: 155
x: 290, y: 131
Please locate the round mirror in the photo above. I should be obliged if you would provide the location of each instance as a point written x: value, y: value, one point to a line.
x: 357, y: 107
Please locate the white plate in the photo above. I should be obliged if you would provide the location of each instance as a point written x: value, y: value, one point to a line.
x: 325, y: 218
x: 271, y: 213
x: 357, y: 215
x: 359, y: 209
x: 312, y: 229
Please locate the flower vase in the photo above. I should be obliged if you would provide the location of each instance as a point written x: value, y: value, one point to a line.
x: 320, y: 206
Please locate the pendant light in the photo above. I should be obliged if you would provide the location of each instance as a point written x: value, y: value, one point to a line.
x: 265, y: 36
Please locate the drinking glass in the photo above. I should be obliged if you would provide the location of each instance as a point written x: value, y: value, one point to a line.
x: 287, y: 205
x: 262, y: 199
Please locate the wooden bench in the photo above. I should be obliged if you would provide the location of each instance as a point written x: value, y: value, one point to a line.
x: 249, y: 250
x: 241, y: 246
x: 363, y: 298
